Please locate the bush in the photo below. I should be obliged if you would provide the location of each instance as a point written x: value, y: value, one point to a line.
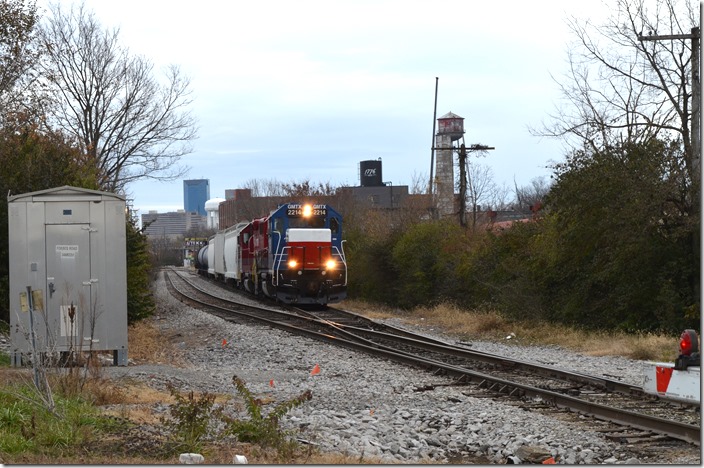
x: 426, y: 258
x: 260, y: 429
x: 140, y: 301
x: 192, y: 420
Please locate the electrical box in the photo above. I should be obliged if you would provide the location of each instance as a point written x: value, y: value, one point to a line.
x: 68, y: 273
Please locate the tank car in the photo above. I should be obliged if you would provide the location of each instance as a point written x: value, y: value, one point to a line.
x: 293, y: 255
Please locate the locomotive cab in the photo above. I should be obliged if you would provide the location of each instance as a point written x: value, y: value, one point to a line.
x: 307, y: 261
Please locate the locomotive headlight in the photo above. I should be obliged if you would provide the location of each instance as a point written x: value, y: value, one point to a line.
x: 292, y: 264
x: 307, y: 211
x: 330, y: 264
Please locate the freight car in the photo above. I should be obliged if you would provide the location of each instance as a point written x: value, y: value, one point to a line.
x: 294, y: 255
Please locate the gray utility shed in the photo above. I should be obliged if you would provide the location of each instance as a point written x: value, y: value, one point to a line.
x: 68, y: 273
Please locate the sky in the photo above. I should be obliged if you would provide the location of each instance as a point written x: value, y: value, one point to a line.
x: 306, y: 90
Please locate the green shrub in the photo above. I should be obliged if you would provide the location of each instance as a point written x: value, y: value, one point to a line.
x: 140, y: 301
x: 260, y: 429
x: 191, y: 420
x: 426, y: 257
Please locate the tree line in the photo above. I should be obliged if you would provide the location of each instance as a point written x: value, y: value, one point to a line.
x: 612, y: 248
x: 616, y: 243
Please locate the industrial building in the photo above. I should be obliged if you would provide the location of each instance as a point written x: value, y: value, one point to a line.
x: 240, y: 205
x: 373, y: 191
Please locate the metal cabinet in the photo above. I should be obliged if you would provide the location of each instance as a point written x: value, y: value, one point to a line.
x: 68, y: 273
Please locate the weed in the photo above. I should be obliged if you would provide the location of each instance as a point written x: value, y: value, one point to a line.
x: 14, y: 443
x: 191, y: 420
x: 12, y: 415
x: 26, y: 425
x: 263, y: 430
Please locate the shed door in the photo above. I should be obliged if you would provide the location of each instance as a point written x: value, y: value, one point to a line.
x: 69, y: 283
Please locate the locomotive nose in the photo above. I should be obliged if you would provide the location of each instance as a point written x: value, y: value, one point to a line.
x: 312, y: 288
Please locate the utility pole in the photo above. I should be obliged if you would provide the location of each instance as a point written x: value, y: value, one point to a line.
x: 695, y: 133
x: 463, y: 180
x: 432, y: 145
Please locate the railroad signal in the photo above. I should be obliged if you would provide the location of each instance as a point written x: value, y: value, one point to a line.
x: 688, y: 343
x: 689, y: 350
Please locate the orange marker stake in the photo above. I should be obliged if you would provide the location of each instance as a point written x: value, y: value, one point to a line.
x: 316, y: 370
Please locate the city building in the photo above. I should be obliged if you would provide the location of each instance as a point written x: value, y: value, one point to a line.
x: 172, y: 224
x: 195, y: 193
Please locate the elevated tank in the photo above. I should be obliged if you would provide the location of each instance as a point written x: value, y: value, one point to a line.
x: 452, y: 125
x: 211, y: 211
x: 370, y: 173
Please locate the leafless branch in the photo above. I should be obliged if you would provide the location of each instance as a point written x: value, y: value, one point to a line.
x: 132, y: 124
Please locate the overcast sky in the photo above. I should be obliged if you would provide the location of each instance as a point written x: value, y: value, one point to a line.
x: 294, y: 90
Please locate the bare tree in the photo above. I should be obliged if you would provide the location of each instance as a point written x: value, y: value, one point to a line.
x: 419, y: 183
x: 529, y: 196
x: 306, y: 188
x: 480, y: 187
x: 621, y: 88
x: 265, y: 187
x: 132, y: 125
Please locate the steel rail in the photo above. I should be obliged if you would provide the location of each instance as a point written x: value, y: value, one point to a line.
x: 505, y: 362
x: 673, y: 429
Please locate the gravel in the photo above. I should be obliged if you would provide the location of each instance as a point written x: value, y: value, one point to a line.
x: 367, y: 407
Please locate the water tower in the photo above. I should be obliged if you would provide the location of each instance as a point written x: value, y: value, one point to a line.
x: 450, y: 128
x: 211, y: 211
x: 370, y: 173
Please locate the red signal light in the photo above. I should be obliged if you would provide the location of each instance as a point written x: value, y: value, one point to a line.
x: 689, y: 343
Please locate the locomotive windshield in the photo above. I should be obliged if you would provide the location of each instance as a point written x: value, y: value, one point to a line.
x: 306, y: 216
x: 313, y: 222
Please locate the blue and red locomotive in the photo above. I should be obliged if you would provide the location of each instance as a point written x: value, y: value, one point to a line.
x: 294, y: 255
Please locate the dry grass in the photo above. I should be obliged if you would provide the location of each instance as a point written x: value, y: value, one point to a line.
x: 472, y: 325
x: 149, y: 344
x: 372, y: 311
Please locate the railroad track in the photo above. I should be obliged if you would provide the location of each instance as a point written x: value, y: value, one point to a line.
x: 608, y: 400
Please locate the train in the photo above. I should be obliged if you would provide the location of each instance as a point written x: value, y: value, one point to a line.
x: 295, y: 255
